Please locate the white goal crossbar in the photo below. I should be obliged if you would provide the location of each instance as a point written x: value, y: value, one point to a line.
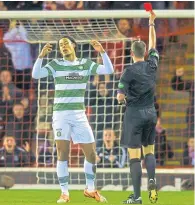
x: 73, y: 14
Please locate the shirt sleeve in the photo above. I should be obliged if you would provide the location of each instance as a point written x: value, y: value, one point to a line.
x: 153, y: 58
x: 41, y: 72
x: 124, y: 82
x: 93, y: 68
x: 106, y: 68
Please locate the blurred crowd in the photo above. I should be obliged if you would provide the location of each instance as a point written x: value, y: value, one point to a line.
x: 88, y: 5
x: 22, y: 121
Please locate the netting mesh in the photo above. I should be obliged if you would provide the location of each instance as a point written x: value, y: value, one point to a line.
x: 174, y: 98
x: 81, y: 30
x: 102, y: 109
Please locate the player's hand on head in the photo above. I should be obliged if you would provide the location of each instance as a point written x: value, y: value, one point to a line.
x: 152, y: 17
x: 179, y: 72
x: 46, y: 49
x: 97, y: 46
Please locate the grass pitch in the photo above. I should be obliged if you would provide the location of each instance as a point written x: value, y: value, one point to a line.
x: 49, y: 197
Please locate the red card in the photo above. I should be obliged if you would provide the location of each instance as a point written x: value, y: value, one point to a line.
x: 148, y: 6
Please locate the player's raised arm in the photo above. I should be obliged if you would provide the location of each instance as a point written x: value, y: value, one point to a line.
x: 152, y: 32
x: 39, y: 71
x: 107, y: 67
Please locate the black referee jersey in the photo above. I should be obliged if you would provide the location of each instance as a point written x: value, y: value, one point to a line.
x: 138, y: 83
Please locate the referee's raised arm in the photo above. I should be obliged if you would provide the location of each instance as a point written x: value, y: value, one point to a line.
x: 153, y: 55
x: 152, y: 32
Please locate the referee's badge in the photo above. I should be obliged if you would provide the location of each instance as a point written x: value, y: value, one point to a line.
x: 154, y: 54
x: 120, y: 85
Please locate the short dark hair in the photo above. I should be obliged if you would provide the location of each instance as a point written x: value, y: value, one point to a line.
x: 138, y: 48
x: 71, y: 39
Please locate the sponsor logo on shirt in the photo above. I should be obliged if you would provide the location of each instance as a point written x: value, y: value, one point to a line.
x: 74, y: 76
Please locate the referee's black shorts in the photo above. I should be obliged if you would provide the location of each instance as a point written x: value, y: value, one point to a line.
x: 138, y: 127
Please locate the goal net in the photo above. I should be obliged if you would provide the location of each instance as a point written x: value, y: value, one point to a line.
x: 174, y: 41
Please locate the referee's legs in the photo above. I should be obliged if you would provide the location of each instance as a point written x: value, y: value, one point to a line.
x: 150, y: 161
x: 136, y: 170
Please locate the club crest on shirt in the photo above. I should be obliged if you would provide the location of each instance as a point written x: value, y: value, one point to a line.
x: 59, y: 132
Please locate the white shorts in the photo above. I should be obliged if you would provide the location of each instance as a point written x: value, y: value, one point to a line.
x: 73, y: 126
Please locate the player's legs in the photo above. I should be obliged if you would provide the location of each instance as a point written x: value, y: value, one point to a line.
x: 89, y: 164
x: 62, y: 132
x: 83, y: 135
x: 62, y: 147
x: 89, y: 151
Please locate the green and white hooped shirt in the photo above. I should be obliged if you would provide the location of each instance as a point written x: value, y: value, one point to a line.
x: 71, y: 79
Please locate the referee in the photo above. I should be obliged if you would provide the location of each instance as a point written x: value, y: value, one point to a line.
x: 136, y: 89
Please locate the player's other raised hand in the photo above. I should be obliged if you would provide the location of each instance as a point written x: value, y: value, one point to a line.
x: 152, y: 17
x: 46, y: 49
x: 97, y: 46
